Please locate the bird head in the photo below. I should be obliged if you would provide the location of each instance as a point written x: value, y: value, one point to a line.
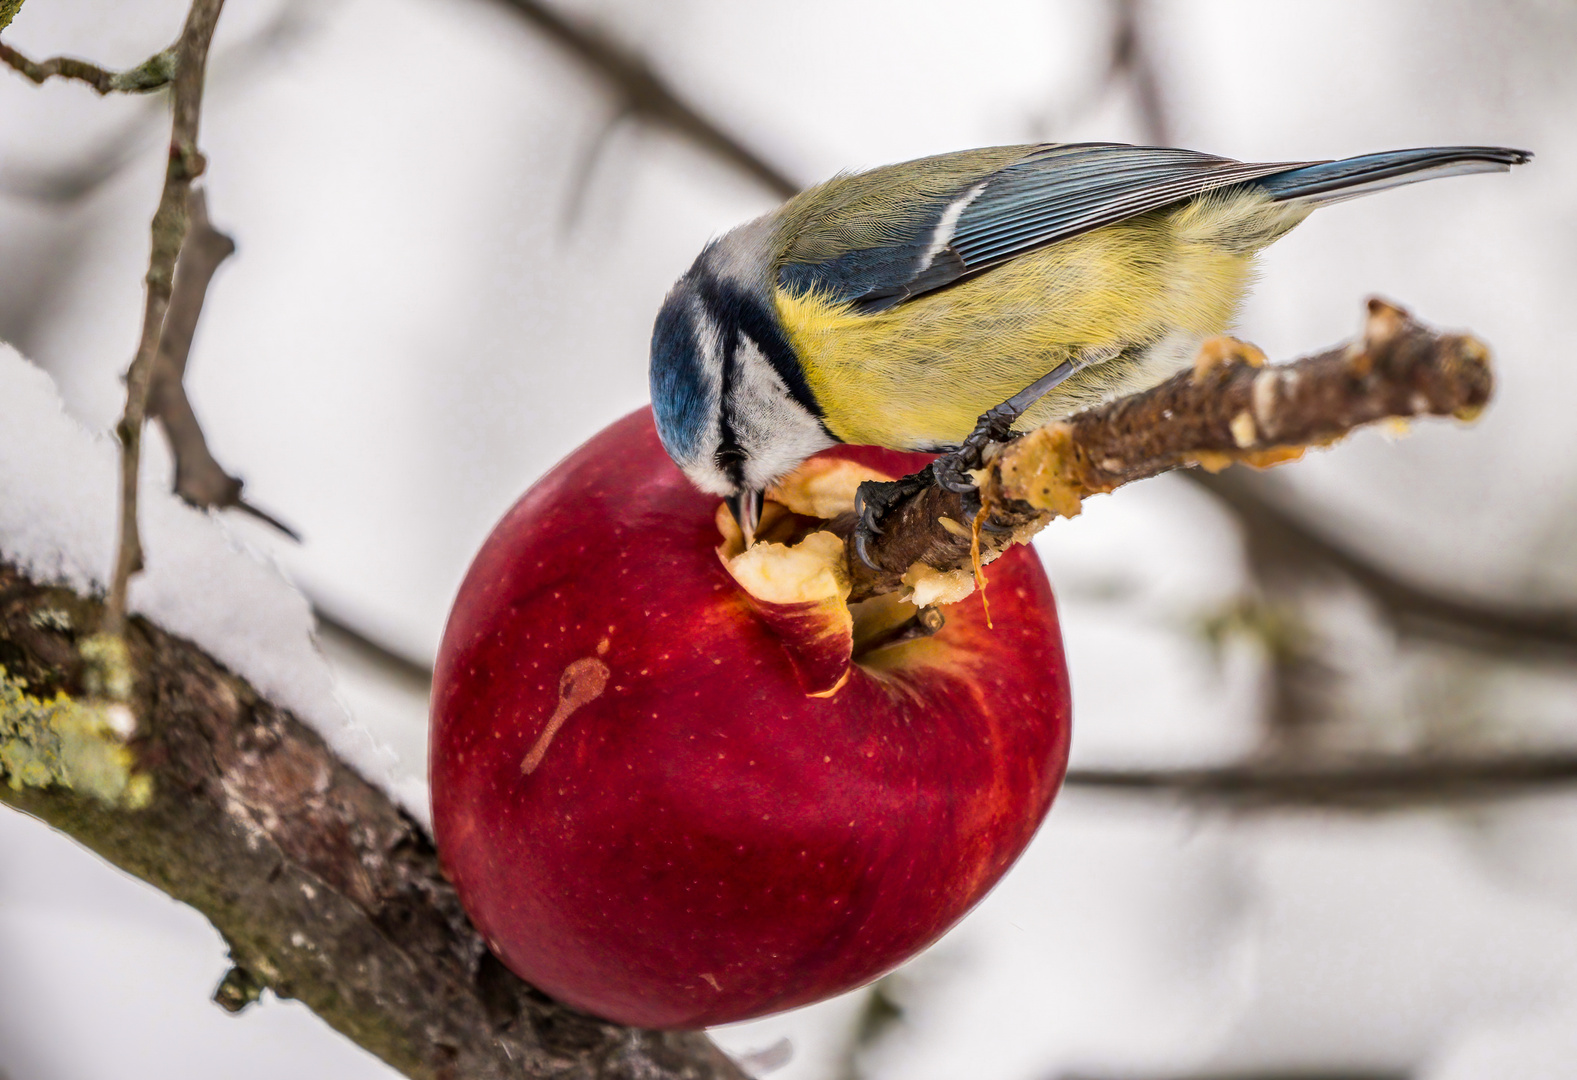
x: 728, y: 394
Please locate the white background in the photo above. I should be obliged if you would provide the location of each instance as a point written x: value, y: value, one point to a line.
x: 412, y: 330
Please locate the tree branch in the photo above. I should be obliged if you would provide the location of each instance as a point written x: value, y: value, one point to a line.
x: 323, y: 889
x: 63, y: 185
x: 1375, y: 783
x: 647, y: 96
x: 199, y: 478
x: 8, y: 10
x: 1216, y: 414
x: 1133, y: 60
x: 1359, y: 783
x: 154, y: 73
x: 1521, y: 631
x: 169, y: 232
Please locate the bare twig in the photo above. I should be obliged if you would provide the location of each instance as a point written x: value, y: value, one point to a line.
x: 879, y: 1015
x: 154, y: 73
x: 169, y: 232
x: 199, y: 478
x: 324, y: 890
x: 1258, y: 1074
x: 1213, y: 416
x: 62, y: 185
x: 413, y: 675
x: 1357, y: 783
x: 1132, y: 60
x: 55, y: 186
x: 647, y: 96
x: 1129, y: 62
x: 586, y: 168
x: 1489, y: 626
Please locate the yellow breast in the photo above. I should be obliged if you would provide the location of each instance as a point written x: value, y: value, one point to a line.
x: 920, y: 373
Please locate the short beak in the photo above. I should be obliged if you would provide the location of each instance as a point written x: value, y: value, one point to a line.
x: 746, y: 508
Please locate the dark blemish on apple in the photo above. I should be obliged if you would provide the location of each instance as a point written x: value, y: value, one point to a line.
x: 583, y: 681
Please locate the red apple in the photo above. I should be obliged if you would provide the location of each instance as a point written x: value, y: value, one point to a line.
x: 672, y: 803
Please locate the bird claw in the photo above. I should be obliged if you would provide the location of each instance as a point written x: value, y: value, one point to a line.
x: 874, y: 500
x: 952, y: 471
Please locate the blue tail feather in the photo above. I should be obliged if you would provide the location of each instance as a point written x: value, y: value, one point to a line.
x: 1333, y: 181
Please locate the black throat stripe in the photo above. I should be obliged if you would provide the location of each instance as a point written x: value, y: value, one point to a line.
x: 736, y: 311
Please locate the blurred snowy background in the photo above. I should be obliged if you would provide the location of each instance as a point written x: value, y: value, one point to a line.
x: 452, y: 240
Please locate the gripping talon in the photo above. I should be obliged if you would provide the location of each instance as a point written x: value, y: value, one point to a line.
x: 861, y: 550
x: 874, y: 500
x: 952, y: 470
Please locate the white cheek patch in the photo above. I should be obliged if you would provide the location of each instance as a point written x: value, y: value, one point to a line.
x: 776, y: 431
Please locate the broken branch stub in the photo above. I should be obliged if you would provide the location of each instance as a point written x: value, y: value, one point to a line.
x: 1212, y: 416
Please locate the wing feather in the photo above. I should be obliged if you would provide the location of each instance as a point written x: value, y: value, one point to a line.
x: 947, y: 230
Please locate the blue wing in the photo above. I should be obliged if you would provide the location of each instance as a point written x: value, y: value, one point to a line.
x: 1051, y: 193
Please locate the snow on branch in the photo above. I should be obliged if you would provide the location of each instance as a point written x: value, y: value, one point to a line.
x: 323, y: 888
x: 226, y: 775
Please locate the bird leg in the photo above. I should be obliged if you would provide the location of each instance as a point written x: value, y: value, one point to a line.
x: 875, y: 499
x: 952, y: 471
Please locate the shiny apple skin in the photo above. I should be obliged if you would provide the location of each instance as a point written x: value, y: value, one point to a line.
x: 702, y: 842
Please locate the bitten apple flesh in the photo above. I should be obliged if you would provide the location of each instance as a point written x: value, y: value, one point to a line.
x: 656, y: 803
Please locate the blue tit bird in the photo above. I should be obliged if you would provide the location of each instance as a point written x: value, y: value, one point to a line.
x: 931, y: 305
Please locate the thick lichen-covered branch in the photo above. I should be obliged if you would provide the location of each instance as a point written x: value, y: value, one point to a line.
x: 325, y: 891
x: 1227, y: 409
